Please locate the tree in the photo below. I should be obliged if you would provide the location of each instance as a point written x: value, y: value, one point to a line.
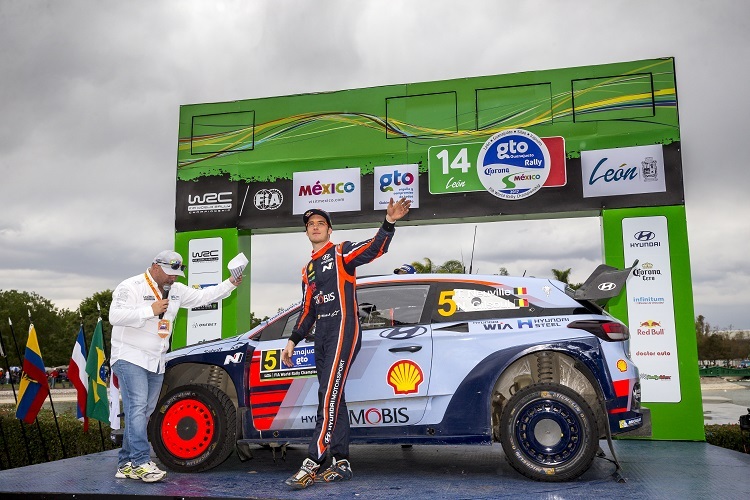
x: 451, y: 267
x: 425, y: 268
x: 47, y: 322
x: 564, y: 276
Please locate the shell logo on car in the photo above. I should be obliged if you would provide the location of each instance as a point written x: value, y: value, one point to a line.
x: 405, y: 376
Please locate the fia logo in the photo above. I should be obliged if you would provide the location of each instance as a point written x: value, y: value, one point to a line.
x: 268, y: 199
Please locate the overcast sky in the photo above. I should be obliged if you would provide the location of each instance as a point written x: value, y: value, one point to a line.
x: 89, y: 104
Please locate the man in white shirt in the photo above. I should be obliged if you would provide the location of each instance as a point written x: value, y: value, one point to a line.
x: 142, y: 314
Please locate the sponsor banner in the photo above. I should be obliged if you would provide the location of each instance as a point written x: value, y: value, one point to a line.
x: 513, y: 164
x: 303, y: 364
x: 619, y: 171
x: 337, y: 190
x: 396, y: 181
x: 452, y: 168
x: 653, y: 337
x: 204, y: 269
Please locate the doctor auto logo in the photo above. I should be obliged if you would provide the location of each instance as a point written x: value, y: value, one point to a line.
x: 268, y: 199
x: 210, y: 202
x: 513, y: 164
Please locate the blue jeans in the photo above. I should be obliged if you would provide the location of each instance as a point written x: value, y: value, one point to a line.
x: 139, y: 389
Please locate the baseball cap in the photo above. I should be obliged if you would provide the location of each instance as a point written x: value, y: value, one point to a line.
x: 405, y: 269
x: 170, y: 262
x: 316, y: 211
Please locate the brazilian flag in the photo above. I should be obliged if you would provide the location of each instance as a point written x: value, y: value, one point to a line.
x: 97, y: 405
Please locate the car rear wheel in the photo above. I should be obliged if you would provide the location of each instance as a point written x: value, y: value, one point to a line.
x: 194, y: 428
x: 549, y: 432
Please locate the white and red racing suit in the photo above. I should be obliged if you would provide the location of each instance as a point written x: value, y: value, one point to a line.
x: 329, y: 302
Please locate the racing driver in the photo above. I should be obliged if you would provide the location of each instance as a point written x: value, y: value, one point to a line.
x: 329, y: 302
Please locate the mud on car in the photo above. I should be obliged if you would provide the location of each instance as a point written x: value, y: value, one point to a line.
x: 445, y: 359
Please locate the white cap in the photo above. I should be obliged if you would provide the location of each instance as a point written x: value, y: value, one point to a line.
x: 170, y: 262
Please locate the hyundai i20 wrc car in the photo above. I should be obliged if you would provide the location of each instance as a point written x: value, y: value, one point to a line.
x: 445, y: 359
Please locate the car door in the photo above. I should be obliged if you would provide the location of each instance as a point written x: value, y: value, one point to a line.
x: 389, y: 380
x: 282, y: 397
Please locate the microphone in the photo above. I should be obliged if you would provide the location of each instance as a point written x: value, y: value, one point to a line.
x: 165, y: 295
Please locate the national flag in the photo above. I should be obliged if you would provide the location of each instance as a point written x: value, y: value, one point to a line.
x: 34, y: 387
x: 97, y: 406
x: 114, y: 402
x: 79, y: 378
x: 519, y: 291
x: 521, y: 303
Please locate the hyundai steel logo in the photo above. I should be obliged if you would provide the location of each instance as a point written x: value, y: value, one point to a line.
x: 607, y: 286
x: 644, y: 235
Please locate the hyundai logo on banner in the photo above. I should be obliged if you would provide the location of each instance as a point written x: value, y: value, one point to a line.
x: 644, y: 235
x: 621, y: 171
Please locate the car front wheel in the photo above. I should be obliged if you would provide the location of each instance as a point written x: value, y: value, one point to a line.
x: 549, y: 432
x: 193, y: 428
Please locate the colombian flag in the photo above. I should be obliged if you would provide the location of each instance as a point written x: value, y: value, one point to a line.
x: 34, y: 387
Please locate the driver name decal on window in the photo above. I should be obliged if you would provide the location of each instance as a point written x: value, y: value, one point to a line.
x: 472, y: 300
x: 303, y: 361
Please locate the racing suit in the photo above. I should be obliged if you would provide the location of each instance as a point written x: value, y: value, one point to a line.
x: 329, y: 302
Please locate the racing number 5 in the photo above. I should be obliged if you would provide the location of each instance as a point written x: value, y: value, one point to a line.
x: 271, y: 360
x: 446, y: 298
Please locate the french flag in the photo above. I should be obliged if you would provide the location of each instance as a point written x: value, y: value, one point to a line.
x: 79, y: 378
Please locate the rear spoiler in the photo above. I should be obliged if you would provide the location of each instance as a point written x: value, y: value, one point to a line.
x: 603, y: 284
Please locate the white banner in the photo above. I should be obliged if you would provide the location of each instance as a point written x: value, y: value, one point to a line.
x: 396, y: 181
x: 653, y: 337
x: 204, y: 269
x: 337, y: 190
x: 618, y: 171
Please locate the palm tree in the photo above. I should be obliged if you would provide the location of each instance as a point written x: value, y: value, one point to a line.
x: 425, y: 268
x: 562, y: 274
x: 451, y: 267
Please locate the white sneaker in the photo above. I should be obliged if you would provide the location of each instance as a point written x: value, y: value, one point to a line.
x: 124, y: 472
x: 148, y: 472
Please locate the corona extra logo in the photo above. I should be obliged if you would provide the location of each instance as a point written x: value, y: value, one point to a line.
x: 405, y: 376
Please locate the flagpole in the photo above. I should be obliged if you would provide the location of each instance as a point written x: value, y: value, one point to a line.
x: 82, y: 369
x: 101, y: 431
x: 23, y: 427
x: 36, y: 419
x: 54, y: 414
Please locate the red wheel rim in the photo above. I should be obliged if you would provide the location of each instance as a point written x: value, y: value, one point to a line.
x: 188, y: 428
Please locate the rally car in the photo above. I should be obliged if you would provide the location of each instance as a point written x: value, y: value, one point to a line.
x: 445, y: 359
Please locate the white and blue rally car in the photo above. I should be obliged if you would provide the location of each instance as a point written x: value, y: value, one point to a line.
x: 445, y: 359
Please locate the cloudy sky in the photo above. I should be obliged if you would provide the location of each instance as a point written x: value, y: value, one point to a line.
x: 89, y: 104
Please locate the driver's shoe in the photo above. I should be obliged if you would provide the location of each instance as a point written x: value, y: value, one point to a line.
x: 305, y: 476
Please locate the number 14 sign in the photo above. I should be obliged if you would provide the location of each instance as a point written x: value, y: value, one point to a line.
x: 453, y: 168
